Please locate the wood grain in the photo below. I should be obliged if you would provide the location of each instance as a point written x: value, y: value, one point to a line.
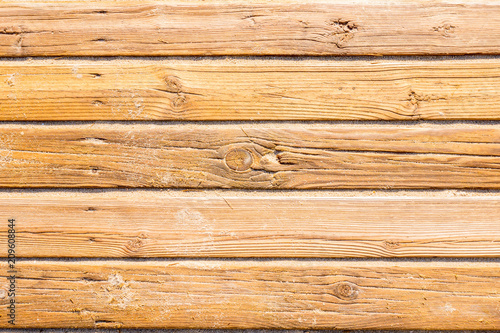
x: 292, y: 157
x: 139, y: 224
x: 153, y: 28
x: 252, y: 89
x: 256, y: 294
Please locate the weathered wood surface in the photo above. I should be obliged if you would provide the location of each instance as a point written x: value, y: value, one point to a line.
x: 292, y: 157
x: 252, y: 89
x: 52, y: 224
x: 256, y: 294
x: 217, y: 27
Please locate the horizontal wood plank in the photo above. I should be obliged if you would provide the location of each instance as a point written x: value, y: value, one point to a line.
x: 236, y: 27
x: 255, y: 294
x: 259, y: 157
x: 149, y: 224
x: 250, y: 90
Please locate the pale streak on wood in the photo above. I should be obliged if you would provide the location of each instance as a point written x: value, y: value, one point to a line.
x: 152, y: 225
x: 296, y: 157
x: 190, y: 90
x: 153, y: 28
x: 256, y: 294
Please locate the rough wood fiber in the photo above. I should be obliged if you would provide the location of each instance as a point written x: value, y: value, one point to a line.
x: 139, y: 225
x: 341, y: 27
x: 250, y: 90
x: 256, y: 294
x: 295, y: 157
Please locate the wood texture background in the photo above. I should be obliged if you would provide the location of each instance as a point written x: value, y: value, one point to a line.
x: 255, y: 89
x: 228, y: 232
x: 216, y: 27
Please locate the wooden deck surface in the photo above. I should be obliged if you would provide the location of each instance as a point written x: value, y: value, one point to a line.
x: 318, y: 164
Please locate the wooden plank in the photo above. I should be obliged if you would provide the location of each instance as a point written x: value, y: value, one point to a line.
x: 217, y: 27
x: 255, y: 294
x: 265, y: 157
x: 155, y: 225
x: 250, y: 90
x: 138, y: 224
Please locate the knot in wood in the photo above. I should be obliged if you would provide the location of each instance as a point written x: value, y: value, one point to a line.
x: 173, y: 84
x: 136, y: 243
x: 3, y: 293
x: 179, y: 100
x: 239, y: 159
x: 346, y: 290
x: 391, y: 245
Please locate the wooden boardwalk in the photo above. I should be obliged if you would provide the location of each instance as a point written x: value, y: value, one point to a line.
x: 318, y: 164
